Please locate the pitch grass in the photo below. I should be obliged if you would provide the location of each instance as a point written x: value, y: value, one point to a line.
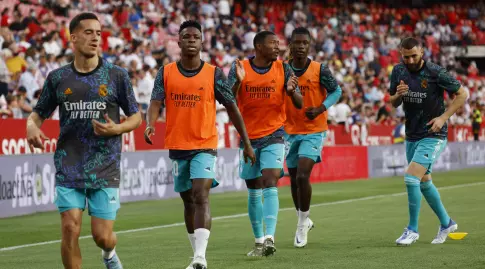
x: 358, y: 234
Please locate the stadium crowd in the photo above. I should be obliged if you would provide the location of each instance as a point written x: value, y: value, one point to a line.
x: 358, y: 42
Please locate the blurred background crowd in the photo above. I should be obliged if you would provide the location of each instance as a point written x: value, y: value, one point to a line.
x: 358, y: 41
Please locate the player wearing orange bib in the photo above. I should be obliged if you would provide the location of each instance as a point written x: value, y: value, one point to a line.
x: 261, y: 85
x: 190, y: 89
x: 307, y: 128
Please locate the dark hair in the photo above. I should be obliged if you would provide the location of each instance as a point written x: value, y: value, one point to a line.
x: 37, y: 93
x: 301, y: 31
x: 76, y: 21
x: 409, y: 43
x: 190, y: 23
x: 261, y: 36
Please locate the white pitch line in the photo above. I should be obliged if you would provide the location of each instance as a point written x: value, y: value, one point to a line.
x: 243, y: 215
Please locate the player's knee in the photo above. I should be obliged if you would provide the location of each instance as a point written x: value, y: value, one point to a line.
x: 270, y: 177
x: 426, y: 178
x: 303, y: 178
x: 102, y: 239
x: 201, y: 196
x: 71, y: 229
x: 189, y: 203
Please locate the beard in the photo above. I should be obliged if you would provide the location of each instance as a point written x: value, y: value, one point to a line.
x: 414, y: 67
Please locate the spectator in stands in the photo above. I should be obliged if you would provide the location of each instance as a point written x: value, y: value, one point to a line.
x: 342, y: 112
x: 13, y: 107
x: 34, y: 101
x: 4, y: 75
x: 460, y: 118
x: 4, y: 112
x: 53, y: 44
x: 476, y: 120
x: 28, y: 81
x: 15, y: 62
x: 24, y: 102
x: 4, y: 19
x: 384, y: 113
x: 144, y: 88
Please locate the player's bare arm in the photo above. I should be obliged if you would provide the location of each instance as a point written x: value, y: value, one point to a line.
x: 401, y: 90
x: 240, y: 75
x: 152, y: 115
x: 110, y: 128
x: 35, y: 136
x: 237, y: 121
x: 460, y: 98
x: 291, y: 87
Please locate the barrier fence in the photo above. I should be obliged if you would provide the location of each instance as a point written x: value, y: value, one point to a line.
x: 27, y: 181
x: 13, y: 136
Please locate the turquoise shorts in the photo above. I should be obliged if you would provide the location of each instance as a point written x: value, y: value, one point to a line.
x: 304, y: 146
x: 425, y: 151
x: 269, y: 157
x: 102, y: 203
x: 201, y: 166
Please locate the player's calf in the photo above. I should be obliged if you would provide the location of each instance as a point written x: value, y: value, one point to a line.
x: 189, y: 215
x: 105, y: 238
x: 294, y: 188
x: 270, y: 201
x: 202, y: 221
x: 71, y: 229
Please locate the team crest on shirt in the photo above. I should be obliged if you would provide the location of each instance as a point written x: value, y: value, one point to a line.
x: 68, y: 91
x: 424, y: 84
x: 103, y: 90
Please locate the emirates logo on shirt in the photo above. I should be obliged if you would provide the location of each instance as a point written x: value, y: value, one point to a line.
x: 304, y: 89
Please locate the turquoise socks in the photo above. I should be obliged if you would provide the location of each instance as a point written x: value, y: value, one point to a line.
x: 414, y: 200
x: 433, y: 198
x: 255, y: 211
x: 270, y: 209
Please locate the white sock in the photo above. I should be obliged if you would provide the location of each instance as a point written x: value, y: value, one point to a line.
x: 192, y: 242
x: 302, y: 217
x: 259, y: 240
x: 297, y: 212
x: 269, y: 236
x: 108, y: 254
x: 201, y: 239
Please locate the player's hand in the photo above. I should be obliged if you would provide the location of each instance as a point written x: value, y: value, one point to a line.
x: 291, y: 85
x: 36, y: 138
x: 240, y: 73
x: 402, y: 89
x: 437, y: 124
x: 249, y: 155
x: 313, y: 112
x: 149, y: 131
x: 110, y: 128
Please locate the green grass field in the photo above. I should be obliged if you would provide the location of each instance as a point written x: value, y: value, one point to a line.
x: 356, y: 223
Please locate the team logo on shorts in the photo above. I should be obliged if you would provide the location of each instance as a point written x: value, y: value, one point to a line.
x: 103, y: 90
x: 68, y: 91
x: 424, y: 84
